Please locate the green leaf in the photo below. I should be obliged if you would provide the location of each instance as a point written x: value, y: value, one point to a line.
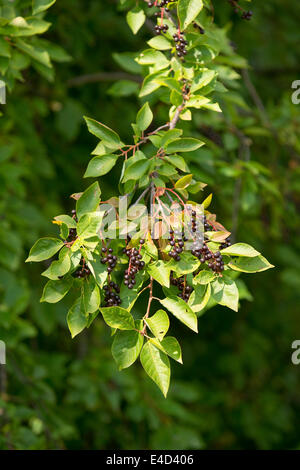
x: 91, y: 318
x: 178, y: 162
x: 135, y: 19
x: 151, y: 56
x: 54, y: 291
x: 240, y: 249
x: 170, y: 346
x: 166, y: 170
x: 126, y: 348
x: 64, y: 231
x: 144, y: 117
x: 66, y: 219
x: 76, y: 318
x: 126, y: 60
x: 159, y: 324
x: 244, y: 293
x: 250, y: 265
x: 187, y: 11
x: 43, y: 249
x: 181, y: 310
x: 4, y: 64
x: 103, y: 132
x: 75, y: 258
x: 89, y: 200
x: 226, y: 293
x: 204, y: 277
x: 207, y: 201
x: 98, y: 270
x: 160, y: 272
x: 149, y: 84
x: 60, y: 267
x: 4, y: 48
x: 187, y: 144
x: 170, y: 136
x: 41, y: 5
x: 202, y: 79
x: 90, y: 296
x: 129, y: 296
x: 200, y: 297
x: 56, y: 53
x: 89, y: 224
x: 219, y: 236
x: 157, y: 366
x: 173, y: 85
x: 36, y: 53
x: 150, y: 249
x: 160, y: 42
x: 30, y: 26
x: 128, y: 163
x: 99, y: 166
x: 137, y: 170
x: 187, y: 264
x: 195, y: 187
x: 117, y: 317
x: 183, y: 182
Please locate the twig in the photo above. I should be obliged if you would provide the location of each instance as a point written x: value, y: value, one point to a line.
x: 176, y: 116
x: 256, y: 98
x: 103, y: 77
x: 148, y: 306
x: 141, y: 197
x: 245, y: 155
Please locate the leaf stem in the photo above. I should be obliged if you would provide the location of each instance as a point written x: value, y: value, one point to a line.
x: 148, y: 306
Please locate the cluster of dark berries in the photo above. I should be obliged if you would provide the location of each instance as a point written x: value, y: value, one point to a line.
x: 109, y: 258
x: 161, y: 4
x: 202, y: 253
x: 176, y: 240
x: 194, y: 221
x: 73, y: 232
x: 207, y: 226
x: 135, y: 264
x: 163, y: 28
x: 184, y: 290
x: 112, y: 298
x: 226, y: 243
x: 215, y: 260
x: 82, y: 270
x: 180, y: 41
x: 246, y: 15
x: 181, y: 44
x: 194, y: 233
x: 72, y: 235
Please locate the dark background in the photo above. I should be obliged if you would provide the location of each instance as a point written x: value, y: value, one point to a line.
x: 238, y: 388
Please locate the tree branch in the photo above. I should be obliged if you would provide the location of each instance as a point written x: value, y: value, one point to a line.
x: 256, y: 98
x: 176, y: 116
x: 103, y: 77
x: 148, y: 306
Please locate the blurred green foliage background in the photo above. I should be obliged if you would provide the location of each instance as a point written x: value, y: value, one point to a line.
x: 238, y: 388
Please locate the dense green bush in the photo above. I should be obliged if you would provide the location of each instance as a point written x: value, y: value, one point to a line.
x: 238, y: 388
